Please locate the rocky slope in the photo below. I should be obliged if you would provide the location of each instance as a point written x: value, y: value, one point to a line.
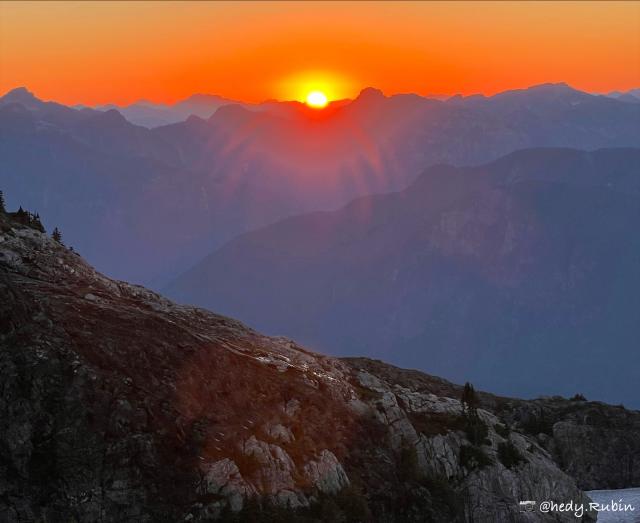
x: 595, y: 443
x: 118, y: 405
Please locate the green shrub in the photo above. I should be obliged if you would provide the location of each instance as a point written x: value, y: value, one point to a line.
x: 476, y: 430
x: 442, y: 490
x: 408, y: 468
x: 354, y: 505
x: 509, y: 455
x: 502, y: 430
x: 537, y: 425
x: 433, y: 423
x: 472, y: 457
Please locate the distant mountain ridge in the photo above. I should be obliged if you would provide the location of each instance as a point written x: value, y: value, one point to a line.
x: 149, y: 114
x: 632, y: 95
x: 521, y: 274
x: 155, y: 201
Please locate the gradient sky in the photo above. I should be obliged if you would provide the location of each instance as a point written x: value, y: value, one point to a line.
x: 99, y: 52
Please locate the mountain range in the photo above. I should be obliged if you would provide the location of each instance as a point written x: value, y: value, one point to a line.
x: 632, y: 95
x: 149, y: 114
x: 147, y: 204
x: 521, y: 274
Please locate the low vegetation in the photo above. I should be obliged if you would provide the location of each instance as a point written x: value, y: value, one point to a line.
x: 434, y: 423
x: 472, y: 457
x: 509, y: 455
x: 502, y: 430
x: 537, y: 424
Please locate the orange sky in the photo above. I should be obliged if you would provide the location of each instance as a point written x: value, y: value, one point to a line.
x: 119, y: 52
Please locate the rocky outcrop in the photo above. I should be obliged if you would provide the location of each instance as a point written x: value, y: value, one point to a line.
x: 119, y: 405
x: 597, y: 444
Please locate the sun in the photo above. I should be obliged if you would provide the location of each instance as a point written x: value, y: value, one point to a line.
x: 317, y: 99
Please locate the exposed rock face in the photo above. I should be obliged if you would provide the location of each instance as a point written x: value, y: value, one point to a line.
x: 597, y: 444
x: 119, y: 405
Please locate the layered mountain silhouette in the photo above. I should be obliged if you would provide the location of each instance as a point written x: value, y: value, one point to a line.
x: 149, y: 114
x: 632, y: 95
x: 521, y: 274
x: 155, y: 201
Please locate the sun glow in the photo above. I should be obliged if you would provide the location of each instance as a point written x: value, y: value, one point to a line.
x: 311, y: 87
x: 317, y: 99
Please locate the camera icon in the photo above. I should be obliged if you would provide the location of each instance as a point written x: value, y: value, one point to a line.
x: 527, y: 506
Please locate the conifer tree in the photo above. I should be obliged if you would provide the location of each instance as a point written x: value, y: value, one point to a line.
x: 469, y: 399
x: 22, y: 216
x: 37, y: 223
x: 475, y: 429
x: 57, y: 235
x: 2, y: 207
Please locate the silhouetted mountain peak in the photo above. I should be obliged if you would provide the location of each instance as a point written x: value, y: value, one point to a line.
x: 231, y: 112
x: 552, y: 86
x: 547, y: 96
x: 112, y: 117
x: 201, y: 97
x: 19, y: 95
x: 370, y: 93
x: 558, y: 89
x: 193, y: 119
x: 111, y: 121
x: 200, y: 101
x: 143, y: 102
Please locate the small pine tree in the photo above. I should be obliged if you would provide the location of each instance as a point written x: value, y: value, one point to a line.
x: 509, y: 454
x: 408, y: 465
x: 22, y: 216
x: 469, y: 400
x: 475, y: 429
x: 57, y: 235
x: 37, y: 223
x: 2, y: 204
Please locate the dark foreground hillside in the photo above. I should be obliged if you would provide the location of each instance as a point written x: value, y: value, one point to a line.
x: 118, y: 405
